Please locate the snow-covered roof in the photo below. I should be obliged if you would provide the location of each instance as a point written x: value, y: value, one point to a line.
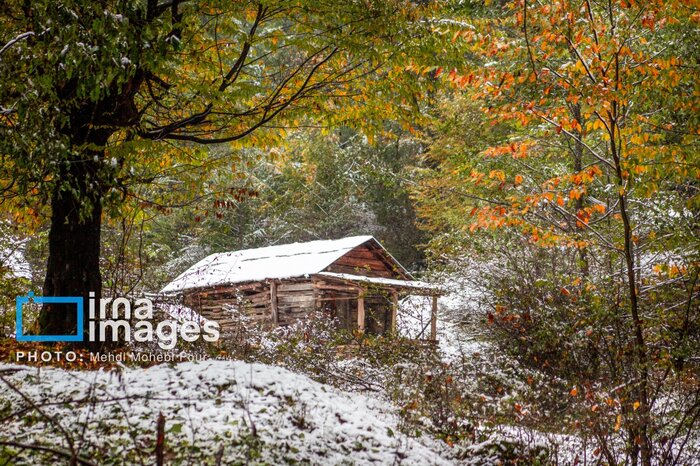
x: 272, y: 262
x: 414, y: 284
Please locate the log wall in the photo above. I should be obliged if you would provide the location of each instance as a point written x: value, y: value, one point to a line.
x: 366, y: 261
x: 340, y: 300
x: 252, y: 304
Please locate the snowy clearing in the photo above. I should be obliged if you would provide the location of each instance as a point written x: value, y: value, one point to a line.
x: 245, y: 412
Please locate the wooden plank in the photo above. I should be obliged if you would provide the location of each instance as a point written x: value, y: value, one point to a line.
x: 300, y: 299
x: 433, y: 319
x: 334, y: 298
x: 307, y: 286
x: 391, y: 263
x: 361, y: 262
x: 361, y: 313
x: 273, y: 302
x: 350, y: 289
x: 331, y: 283
x: 359, y: 271
x: 394, y: 311
x: 372, y: 255
x: 361, y: 254
x: 228, y: 289
x: 344, y: 284
x: 338, y: 285
x: 257, y: 300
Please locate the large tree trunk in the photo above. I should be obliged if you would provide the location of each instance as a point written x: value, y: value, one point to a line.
x: 73, y: 267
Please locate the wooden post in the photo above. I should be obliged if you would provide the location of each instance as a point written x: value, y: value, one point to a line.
x: 361, y: 312
x: 433, y: 319
x: 394, y: 311
x: 273, y: 302
x: 160, y: 440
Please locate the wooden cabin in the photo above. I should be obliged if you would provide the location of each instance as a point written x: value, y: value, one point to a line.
x: 354, y: 280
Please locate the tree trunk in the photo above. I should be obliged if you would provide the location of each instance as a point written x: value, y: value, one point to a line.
x: 578, y: 166
x: 643, y: 441
x: 73, y: 267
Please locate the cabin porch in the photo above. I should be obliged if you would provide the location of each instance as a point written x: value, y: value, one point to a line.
x: 369, y: 304
x: 360, y: 304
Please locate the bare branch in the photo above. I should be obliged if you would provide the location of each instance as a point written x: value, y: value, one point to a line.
x: 235, y: 70
x: 12, y: 42
x: 55, y: 451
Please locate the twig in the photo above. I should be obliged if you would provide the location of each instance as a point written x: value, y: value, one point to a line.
x: 55, y: 451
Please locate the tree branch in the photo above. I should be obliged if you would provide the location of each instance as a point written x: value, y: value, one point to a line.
x: 55, y: 451
x: 235, y: 70
x: 12, y: 42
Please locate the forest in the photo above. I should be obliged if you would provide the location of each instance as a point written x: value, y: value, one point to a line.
x: 532, y: 166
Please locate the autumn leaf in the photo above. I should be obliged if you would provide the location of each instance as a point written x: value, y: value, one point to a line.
x: 618, y: 423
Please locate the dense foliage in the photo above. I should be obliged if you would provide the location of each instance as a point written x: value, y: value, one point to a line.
x: 567, y: 169
x: 542, y: 157
x: 101, y: 99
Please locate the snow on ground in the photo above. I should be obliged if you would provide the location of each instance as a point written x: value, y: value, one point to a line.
x: 12, y: 257
x: 210, y: 404
x: 453, y: 338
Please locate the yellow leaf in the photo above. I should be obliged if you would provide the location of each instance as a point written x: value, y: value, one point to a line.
x: 635, y: 405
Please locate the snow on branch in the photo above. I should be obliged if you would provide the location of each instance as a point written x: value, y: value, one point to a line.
x: 12, y: 42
